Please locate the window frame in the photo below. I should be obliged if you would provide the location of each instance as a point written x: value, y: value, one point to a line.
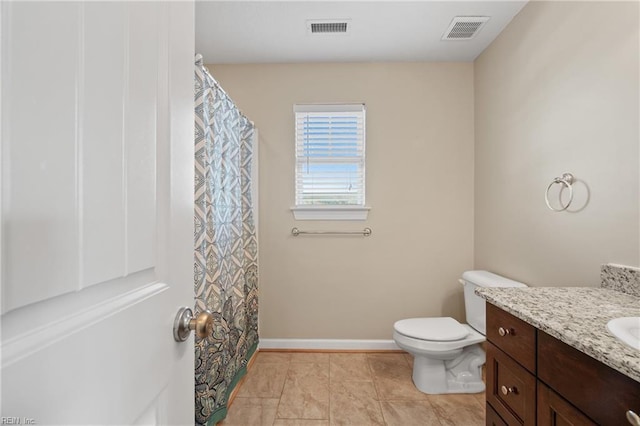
x: 328, y: 211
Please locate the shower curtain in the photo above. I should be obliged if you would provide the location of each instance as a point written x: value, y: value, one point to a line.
x: 225, y: 266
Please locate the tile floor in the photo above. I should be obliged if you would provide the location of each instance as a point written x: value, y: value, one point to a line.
x: 321, y: 389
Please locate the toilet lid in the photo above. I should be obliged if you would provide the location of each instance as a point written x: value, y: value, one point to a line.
x: 439, y: 329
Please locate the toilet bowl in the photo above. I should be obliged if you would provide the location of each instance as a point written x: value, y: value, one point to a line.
x: 448, y: 357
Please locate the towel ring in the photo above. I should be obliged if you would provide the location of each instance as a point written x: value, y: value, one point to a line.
x: 567, y: 181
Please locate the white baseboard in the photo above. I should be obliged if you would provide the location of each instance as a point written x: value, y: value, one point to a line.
x: 329, y: 344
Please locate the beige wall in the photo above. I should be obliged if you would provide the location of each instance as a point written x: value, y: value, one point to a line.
x: 419, y: 187
x: 558, y: 91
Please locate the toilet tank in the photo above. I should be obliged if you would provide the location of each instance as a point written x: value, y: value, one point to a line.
x: 474, y: 305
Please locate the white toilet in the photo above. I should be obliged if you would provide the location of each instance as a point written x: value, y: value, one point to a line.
x: 447, y: 357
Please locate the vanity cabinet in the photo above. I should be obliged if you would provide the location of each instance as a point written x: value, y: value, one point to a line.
x: 535, y: 379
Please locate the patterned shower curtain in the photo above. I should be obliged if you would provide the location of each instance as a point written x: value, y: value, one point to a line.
x: 225, y: 266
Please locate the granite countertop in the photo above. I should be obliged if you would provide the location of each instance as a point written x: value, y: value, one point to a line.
x: 577, y: 316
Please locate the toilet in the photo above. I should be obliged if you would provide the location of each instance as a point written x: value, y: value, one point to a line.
x: 447, y: 356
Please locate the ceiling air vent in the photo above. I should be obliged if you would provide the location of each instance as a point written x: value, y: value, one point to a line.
x: 328, y: 26
x: 464, y: 27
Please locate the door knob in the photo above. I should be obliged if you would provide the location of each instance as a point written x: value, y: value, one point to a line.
x: 185, y: 323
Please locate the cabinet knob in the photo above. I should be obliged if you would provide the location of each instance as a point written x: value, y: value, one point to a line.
x: 507, y: 390
x: 504, y: 331
x: 633, y: 418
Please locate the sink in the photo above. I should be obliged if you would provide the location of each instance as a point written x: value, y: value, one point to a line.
x: 627, y: 329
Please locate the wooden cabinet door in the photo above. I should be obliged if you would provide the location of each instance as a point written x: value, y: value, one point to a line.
x: 597, y: 390
x: 553, y: 410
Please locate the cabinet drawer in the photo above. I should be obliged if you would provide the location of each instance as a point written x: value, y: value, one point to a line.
x: 512, y: 389
x: 514, y: 336
x: 493, y: 419
x: 553, y: 410
x: 599, y: 391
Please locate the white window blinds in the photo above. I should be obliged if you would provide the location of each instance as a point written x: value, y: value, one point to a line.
x: 330, y: 155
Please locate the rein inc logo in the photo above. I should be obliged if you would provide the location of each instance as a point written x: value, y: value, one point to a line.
x: 17, y: 421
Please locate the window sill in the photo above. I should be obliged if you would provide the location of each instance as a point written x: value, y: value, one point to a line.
x: 330, y: 212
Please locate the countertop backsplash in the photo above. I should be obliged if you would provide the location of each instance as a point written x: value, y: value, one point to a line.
x: 620, y: 278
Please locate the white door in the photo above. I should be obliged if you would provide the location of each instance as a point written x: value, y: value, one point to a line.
x: 97, y: 212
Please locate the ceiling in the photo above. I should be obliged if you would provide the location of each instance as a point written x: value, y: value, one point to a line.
x: 266, y: 31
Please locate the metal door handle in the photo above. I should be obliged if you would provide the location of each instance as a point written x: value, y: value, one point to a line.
x: 185, y: 323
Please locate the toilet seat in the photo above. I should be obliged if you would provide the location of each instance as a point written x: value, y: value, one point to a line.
x: 437, y: 347
x: 439, y: 329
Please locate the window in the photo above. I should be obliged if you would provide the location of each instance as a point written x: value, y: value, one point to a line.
x: 330, y: 162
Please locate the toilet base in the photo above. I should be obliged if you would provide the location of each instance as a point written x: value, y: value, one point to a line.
x: 463, y: 374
